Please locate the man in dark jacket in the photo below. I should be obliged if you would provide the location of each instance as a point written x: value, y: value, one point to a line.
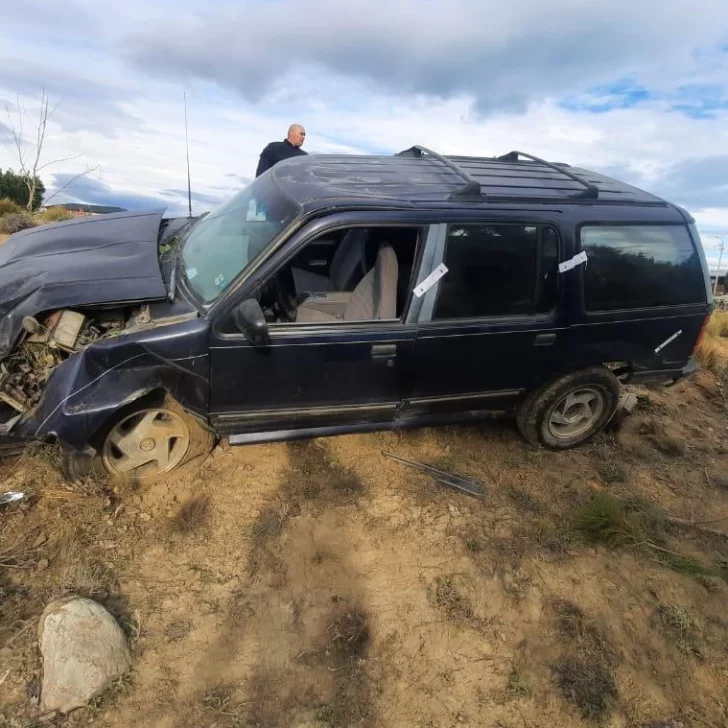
x: 277, y: 151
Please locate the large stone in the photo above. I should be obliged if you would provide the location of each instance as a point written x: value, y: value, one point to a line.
x: 83, y: 651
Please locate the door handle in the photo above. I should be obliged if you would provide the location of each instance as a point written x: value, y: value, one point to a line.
x: 384, y: 351
x: 544, y: 340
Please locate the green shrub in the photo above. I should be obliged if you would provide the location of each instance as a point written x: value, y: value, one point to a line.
x: 13, y: 186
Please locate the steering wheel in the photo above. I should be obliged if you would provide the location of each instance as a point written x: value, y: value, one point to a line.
x: 284, y: 293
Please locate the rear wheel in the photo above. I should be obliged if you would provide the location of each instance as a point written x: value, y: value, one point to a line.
x: 143, y: 444
x: 571, y: 410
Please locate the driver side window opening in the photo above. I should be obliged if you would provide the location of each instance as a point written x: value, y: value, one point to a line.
x: 353, y: 274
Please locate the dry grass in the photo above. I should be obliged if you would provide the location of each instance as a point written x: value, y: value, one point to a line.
x: 446, y: 596
x: 613, y: 472
x: 49, y: 545
x: 681, y: 626
x: 8, y: 207
x: 586, y: 673
x: 192, y: 515
x: 348, y: 636
x: 718, y: 324
x: 53, y: 214
x: 709, y: 355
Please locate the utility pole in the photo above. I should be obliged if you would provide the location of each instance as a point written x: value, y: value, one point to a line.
x: 720, y: 260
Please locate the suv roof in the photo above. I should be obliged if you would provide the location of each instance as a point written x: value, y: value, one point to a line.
x: 419, y: 177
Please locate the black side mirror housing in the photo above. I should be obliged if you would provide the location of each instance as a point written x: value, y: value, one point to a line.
x: 251, y: 322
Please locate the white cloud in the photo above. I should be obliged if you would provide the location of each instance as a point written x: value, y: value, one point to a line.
x: 128, y: 121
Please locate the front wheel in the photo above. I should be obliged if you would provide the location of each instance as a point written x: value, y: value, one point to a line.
x: 143, y: 444
x: 571, y: 410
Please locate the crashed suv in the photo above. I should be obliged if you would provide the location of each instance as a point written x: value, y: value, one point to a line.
x: 344, y: 294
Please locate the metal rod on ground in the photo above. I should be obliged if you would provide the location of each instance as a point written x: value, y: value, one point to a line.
x: 467, y: 485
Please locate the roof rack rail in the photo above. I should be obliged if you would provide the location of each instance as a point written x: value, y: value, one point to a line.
x: 472, y: 186
x: 590, y: 193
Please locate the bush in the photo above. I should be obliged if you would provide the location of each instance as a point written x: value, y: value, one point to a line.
x: 54, y: 214
x: 15, y: 223
x: 13, y: 186
x: 718, y: 324
x: 8, y: 207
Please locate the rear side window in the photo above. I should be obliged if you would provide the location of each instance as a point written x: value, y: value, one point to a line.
x: 498, y: 270
x: 640, y: 266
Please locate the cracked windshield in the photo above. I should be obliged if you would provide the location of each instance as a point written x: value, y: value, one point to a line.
x: 222, y: 244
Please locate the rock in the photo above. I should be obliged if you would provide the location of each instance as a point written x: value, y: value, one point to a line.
x: 145, y: 517
x: 83, y: 651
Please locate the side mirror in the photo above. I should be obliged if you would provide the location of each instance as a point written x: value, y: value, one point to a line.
x: 250, y: 320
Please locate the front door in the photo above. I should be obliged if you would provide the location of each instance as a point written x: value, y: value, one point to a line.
x: 489, y: 329
x: 309, y: 379
x: 322, y: 377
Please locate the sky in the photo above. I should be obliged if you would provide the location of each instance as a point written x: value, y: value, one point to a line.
x: 638, y: 90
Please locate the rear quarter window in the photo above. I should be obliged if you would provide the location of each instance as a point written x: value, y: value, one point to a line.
x: 640, y: 266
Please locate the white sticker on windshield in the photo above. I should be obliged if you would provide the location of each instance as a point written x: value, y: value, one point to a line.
x: 573, y: 262
x: 430, y: 281
x: 220, y: 281
x: 191, y: 273
x: 668, y: 341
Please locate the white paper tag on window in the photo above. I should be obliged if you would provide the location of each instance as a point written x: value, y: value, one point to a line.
x: 430, y: 281
x: 191, y: 273
x: 573, y: 262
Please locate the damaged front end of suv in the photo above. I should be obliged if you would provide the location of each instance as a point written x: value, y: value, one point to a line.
x: 90, y: 325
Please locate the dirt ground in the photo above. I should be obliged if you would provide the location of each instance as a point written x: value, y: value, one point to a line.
x: 320, y: 584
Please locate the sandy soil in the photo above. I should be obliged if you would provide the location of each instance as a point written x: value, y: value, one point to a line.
x: 320, y: 584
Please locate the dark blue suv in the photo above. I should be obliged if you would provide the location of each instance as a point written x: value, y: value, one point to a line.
x: 344, y: 294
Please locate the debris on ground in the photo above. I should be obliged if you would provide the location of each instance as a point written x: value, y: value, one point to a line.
x: 467, y: 485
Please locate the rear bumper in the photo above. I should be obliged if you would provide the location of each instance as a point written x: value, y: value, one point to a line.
x: 668, y: 377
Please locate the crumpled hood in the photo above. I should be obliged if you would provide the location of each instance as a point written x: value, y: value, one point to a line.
x: 95, y: 260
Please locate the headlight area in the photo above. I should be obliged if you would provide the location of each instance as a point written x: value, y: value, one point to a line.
x: 46, y: 341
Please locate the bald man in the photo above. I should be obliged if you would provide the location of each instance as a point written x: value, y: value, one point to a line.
x: 277, y: 151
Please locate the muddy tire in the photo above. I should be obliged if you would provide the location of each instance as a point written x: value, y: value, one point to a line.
x: 571, y: 410
x: 142, y: 443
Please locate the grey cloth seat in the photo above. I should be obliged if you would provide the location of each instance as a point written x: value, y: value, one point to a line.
x: 347, y: 265
x: 374, y: 298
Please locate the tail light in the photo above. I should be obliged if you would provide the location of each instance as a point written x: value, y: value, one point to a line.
x: 701, y: 335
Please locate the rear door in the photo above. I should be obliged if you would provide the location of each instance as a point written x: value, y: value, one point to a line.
x: 490, y: 329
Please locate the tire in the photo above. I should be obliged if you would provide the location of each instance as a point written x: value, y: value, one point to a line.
x: 570, y: 410
x: 142, y: 443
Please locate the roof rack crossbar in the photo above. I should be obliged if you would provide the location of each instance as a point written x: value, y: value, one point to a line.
x: 472, y: 186
x: 590, y: 193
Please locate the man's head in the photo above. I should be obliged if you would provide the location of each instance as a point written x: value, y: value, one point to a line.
x: 296, y: 135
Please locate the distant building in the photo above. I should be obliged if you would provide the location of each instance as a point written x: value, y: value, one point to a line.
x: 80, y: 209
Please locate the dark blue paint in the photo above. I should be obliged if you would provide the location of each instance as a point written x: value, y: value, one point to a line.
x: 326, y: 379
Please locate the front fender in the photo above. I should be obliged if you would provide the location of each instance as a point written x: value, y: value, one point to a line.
x: 86, y: 389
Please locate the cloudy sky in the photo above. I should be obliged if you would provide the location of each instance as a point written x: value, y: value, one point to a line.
x: 636, y: 88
